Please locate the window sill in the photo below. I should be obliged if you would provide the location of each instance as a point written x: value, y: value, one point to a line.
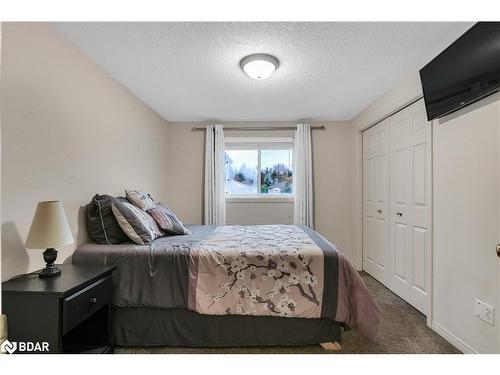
x: 260, y: 199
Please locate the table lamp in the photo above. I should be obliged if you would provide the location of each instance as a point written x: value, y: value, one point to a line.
x: 49, y: 229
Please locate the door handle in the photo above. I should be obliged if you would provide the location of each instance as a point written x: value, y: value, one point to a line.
x: 379, y: 211
x: 399, y: 214
x: 498, y: 249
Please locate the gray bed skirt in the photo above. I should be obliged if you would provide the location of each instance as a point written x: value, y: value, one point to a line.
x: 143, y: 326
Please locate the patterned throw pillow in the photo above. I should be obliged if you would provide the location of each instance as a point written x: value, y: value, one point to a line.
x: 138, y: 225
x: 167, y: 220
x: 140, y: 199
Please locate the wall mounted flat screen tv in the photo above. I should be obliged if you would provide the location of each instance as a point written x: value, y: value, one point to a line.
x: 466, y: 71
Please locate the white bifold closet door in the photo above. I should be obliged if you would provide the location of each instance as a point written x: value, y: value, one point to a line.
x: 397, y: 203
x: 410, y: 204
x: 376, y: 202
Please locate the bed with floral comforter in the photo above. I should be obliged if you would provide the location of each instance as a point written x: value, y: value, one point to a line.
x: 259, y: 270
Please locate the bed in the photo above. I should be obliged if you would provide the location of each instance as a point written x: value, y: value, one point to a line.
x: 234, y: 285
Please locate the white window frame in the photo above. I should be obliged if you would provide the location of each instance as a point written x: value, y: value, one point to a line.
x: 271, y: 198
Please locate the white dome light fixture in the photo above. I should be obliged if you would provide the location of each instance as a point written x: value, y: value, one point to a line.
x: 259, y: 66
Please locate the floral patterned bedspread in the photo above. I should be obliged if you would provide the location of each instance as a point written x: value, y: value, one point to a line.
x: 277, y: 270
x: 259, y: 270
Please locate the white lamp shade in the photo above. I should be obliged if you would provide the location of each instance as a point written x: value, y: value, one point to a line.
x: 50, y: 227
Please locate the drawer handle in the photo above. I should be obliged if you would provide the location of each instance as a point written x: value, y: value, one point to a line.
x: 379, y: 211
x: 93, y: 300
x: 399, y: 214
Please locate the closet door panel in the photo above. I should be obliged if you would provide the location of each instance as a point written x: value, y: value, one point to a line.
x: 400, y: 163
x: 399, y: 257
x: 376, y: 201
x: 382, y: 178
x: 381, y: 241
x: 420, y: 214
x: 419, y: 175
x: 419, y: 247
x: 369, y: 238
x: 400, y: 228
x: 410, y: 185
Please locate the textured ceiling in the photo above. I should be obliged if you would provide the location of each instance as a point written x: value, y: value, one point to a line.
x: 329, y: 71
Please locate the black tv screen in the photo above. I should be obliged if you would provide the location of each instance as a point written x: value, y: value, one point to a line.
x: 466, y: 71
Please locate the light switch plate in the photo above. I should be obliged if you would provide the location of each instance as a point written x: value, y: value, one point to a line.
x: 484, y: 312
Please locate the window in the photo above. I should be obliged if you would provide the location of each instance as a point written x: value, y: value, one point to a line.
x: 259, y: 167
x: 241, y: 171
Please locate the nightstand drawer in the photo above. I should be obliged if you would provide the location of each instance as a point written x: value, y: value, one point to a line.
x: 84, y: 303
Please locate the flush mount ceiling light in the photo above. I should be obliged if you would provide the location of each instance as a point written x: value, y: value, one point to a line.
x: 259, y: 66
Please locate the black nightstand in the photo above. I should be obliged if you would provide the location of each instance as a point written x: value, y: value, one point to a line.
x: 71, y: 312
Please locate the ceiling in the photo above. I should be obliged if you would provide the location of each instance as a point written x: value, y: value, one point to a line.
x: 189, y: 71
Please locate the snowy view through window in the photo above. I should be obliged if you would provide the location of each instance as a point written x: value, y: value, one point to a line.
x: 258, y: 172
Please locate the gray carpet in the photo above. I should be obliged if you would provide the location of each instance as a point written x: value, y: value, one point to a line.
x: 402, y: 330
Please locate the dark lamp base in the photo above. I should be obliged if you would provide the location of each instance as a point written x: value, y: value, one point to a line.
x: 51, y: 270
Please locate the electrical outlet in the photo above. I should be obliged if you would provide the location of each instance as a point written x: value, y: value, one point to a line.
x: 484, y: 312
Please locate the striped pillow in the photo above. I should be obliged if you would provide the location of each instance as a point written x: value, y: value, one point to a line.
x: 167, y: 220
x: 138, y: 225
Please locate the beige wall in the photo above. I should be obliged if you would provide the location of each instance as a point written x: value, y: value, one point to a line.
x: 185, y: 179
x: 465, y: 169
x: 333, y: 157
x: 466, y: 224
x: 245, y: 212
x: 68, y: 132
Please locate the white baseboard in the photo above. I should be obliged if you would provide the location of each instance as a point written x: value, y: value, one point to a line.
x: 452, y: 339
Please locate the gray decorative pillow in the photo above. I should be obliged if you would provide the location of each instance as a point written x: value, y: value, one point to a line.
x: 138, y: 225
x: 101, y: 222
x: 167, y: 220
x: 140, y: 199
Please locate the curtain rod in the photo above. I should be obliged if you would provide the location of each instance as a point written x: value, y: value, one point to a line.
x: 393, y: 112
x: 259, y: 128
